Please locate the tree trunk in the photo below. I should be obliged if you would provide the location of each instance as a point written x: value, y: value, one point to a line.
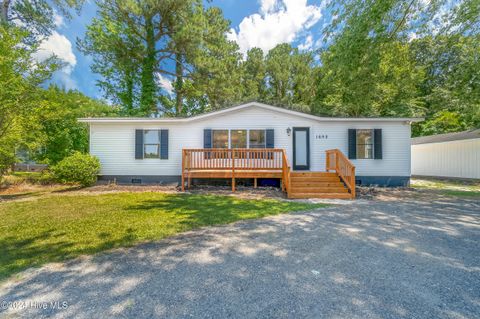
x: 4, y: 13
x: 147, y: 99
x: 179, y: 84
x: 129, y: 92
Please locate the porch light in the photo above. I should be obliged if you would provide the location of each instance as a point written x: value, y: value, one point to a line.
x: 289, y: 131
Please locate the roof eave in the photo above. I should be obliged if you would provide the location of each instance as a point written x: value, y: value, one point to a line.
x: 243, y: 106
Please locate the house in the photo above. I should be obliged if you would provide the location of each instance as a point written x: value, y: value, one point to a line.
x: 454, y: 155
x: 307, y: 153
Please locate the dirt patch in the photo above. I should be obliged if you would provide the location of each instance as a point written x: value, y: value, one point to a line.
x: 241, y: 192
x: 25, y: 191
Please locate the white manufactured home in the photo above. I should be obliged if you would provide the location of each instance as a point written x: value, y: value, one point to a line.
x: 312, y: 156
x: 454, y: 155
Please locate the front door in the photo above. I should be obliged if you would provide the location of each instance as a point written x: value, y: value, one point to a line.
x: 301, y: 148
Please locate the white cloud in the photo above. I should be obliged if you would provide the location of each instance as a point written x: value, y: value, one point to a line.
x: 279, y: 21
x: 58, y: 45
x: 267, y: 6
x: 165, y: 83
x: 58, y: 20
x: 307, y: 45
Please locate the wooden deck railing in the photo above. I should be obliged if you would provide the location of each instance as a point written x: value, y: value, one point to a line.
x: 337, y: 161
x: 285, y: 173
x: 236, y: 162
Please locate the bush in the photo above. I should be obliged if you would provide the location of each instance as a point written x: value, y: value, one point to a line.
x: 77, y: 168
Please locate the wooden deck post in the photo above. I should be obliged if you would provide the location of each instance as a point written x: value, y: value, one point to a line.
x: 352, y: 178
x: 255, y: 182
x: 233, y: 170
x: 183, y: 170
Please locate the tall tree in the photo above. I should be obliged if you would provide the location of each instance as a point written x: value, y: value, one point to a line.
x: 216, y: 72
x: 289, y: 77
x: 20, y: 76
x: 58, y: 133
x: 397, y: 58
x: 253, y: 76
x: 451, y: 86
x: 37, y: 17
x: 114, y: 49
x: 172, y: 39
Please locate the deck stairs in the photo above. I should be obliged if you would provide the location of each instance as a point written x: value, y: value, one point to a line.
x: 317, y: 185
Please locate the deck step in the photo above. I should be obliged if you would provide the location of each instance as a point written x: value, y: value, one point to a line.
x: 312, y: 174
x: 316, y: 179
x: 312, y: 190
x: 320, y: 195
x: 317, y: 184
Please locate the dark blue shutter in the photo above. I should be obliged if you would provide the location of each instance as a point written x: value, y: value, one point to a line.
x: 270, y: 138
x: 352, y: 143
x: 207, y: 138
x: 377, y: 141
x: 163, y: 144
x: 138, y: 144
x: 207, y: 141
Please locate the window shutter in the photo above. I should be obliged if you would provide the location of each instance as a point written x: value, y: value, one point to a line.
x: 207, y: 141
x: 270, y: 138
x: 352, y: 143
x: 377, y: 141
x: 207, y: 138
x: 138, y: 144
x: 163, y: 144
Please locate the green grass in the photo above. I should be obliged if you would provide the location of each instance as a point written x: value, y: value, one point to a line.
x: 449, y: 187
x: 60, y: 227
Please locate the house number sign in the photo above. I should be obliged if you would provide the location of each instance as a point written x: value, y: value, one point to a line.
x: 321, y: 136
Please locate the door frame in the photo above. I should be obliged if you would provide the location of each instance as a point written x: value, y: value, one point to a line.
x: 301, y: 167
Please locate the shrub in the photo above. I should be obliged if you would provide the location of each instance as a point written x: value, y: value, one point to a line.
x: 77, y: 168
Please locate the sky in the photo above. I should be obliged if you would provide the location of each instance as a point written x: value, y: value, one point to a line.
x: 254, y: 23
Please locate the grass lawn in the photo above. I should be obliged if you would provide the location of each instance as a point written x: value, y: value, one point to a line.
x: 60, y: 227
x: 449, y: 187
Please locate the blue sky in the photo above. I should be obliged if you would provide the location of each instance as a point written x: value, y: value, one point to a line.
x: 254, y: 23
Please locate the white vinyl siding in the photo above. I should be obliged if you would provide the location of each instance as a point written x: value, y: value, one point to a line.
x: 447, y: 159
x: 114, y: 143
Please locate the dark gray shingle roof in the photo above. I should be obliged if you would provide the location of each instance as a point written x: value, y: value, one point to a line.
x: 466, y: 135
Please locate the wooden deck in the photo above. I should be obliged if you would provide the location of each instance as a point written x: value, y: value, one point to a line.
x: 234, y: 163
x: 238, y: 174
x: 271, y: 163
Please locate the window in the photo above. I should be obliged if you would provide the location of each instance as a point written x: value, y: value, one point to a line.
x: 151, y: 144
x: 257, y: 139
x: 220, y: 138
x: 238, y: 139
x: 364, y: 144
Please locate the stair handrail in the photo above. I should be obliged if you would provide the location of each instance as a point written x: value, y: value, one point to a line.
x: 343, y: 167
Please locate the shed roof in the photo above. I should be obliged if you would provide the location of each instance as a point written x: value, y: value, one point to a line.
x: 448, y: 137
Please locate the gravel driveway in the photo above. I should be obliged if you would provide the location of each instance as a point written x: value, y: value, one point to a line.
x: 409, y: 257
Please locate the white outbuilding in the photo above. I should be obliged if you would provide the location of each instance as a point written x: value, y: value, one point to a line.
x: 455, y: 155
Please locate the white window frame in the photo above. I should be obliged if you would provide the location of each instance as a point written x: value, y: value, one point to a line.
x: 228, y: 136
x: 373, y: 143
x: 240, y: 129
x: 145, y: 144
x: 264, y: 134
